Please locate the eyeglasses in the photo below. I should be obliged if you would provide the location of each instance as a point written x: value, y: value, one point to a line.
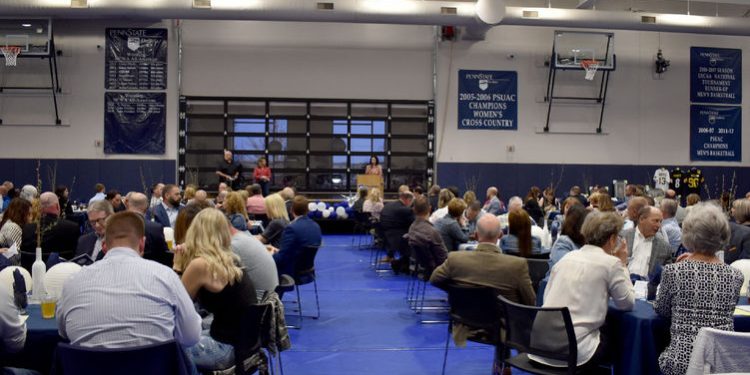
x: 97, y: 221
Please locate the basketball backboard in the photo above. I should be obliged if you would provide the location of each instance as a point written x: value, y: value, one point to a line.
x: 32, y: 35
x: 571, y: 48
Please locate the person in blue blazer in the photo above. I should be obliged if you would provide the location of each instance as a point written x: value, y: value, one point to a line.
x: 166, y: 212
x: 300, y: 233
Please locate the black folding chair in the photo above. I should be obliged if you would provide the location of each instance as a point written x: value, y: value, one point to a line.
x: 304, y: 273
x: 537, y: 271
x: 543, y: 331
x: 478, y: 308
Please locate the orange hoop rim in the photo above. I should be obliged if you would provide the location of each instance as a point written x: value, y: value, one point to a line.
x: 11, y: 49
x: 589, y: 63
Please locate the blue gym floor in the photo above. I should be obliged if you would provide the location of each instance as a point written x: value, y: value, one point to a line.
x: 366, y: 326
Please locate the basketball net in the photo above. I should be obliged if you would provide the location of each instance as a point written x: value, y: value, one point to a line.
x: 11, y: 55
x: 590, y: 66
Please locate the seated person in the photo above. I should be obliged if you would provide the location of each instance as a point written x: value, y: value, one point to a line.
x: 57, y: 233
x: 123, y: 300
x: 570, y: 238
x: 91, y: 243
x: 255, y: 203
x: 444, y: 197
x: 487, y: 266
x: 302, y: 232
x: 374, y: 203
x: 585, y: 280
x: 472, y: 215
x: 277, y: 213
x: 361, y: 197
x: 425, y: 239
x: 396, y: 218
x: 699, y: 290
x: 450, y: 227
x: 647, y: 248
x: 234, y: 208
x: 212, y: 276
x: 519, y: 240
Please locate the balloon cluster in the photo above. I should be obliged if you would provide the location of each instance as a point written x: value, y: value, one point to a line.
x: 340, y: 210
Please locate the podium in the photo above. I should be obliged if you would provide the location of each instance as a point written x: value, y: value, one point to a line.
x: 370, y: 180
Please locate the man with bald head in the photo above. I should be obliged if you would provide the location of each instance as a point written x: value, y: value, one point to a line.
x: 58, y: 235
x: 647, y: 247
x: 124, y: 301
x: 488, y: 266
x: 493, y: 204
x: 156, y: 247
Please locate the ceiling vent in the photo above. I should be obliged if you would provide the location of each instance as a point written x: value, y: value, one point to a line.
x: 325, y: 6
x: 202, y: 4
x: 79, y: 3
x: 448, y: 10
x: 648, y: 19
x: 530, y: 14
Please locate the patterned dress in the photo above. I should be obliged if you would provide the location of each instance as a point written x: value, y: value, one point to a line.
x: 695, y: 295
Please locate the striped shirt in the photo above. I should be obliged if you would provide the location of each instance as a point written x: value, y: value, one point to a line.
x: 124, y: 301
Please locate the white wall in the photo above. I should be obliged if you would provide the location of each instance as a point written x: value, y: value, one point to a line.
x: 646, y: 120
x: 81, y: 70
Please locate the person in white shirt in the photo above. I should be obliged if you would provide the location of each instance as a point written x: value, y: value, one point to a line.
x: 585, y: 280
x: 100, y: 195
x: 124, y: 300
x: 647, y: 247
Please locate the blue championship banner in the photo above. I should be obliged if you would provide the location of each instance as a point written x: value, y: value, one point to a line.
x: 715, y: 75
x: 135, y: 123
x: 715, y: 133
x: 487, y: 100
x: 135, y: 59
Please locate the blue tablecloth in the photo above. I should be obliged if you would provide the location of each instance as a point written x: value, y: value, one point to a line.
x: 636, y: 338
x: 41, y: 341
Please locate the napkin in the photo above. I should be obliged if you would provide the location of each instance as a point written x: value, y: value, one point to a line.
x: 13, y: 250
x: 53, y: 259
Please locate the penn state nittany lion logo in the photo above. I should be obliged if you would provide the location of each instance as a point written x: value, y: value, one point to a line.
x: 484, y: 84
x: 134, y: 43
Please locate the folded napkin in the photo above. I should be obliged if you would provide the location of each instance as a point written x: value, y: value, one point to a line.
x: 19, y: 289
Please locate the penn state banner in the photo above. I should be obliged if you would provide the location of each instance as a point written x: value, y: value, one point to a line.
x: 487, y: 100
x: 715, y: 133
x: 135, y: 59
x: 715, y: 75
x: 135, y: 123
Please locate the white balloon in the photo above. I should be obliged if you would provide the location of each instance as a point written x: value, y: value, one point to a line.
x: 321, y: 206
x: 326, y: 214
x: 312, y: 207
x: 340, y: 211
x: 6, y: 278
x: 343, y: 215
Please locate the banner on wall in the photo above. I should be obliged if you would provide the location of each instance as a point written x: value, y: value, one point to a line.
x: 134, y: 123
x: 135, y: 59
x: 715, y: 75
x: 715, y: 133
x: 487, y: 100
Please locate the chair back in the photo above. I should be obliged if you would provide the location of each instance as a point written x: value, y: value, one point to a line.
x: 362, y: 218
x: 543, y: 331
x: 249, y: 338
x: 156, y: 359
x: 477, y: 307
x: 304, y: 267
x: 717, y: 352
x: 537, y: 270
x: 6, y: 278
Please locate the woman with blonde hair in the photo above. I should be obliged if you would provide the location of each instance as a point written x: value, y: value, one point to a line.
x: 444, y: 197
x: 374, y: 203
x: 212, y: 276
x: 469, y: 197
x: 277, y: 213
x: 234, y: 207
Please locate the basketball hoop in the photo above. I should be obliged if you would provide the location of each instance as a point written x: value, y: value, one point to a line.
x: 590, y: 66
x: 11, y: 54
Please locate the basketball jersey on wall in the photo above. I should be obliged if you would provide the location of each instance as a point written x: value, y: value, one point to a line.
x: 676, y: 182
x: 693, y: 181
x: 662, y: 179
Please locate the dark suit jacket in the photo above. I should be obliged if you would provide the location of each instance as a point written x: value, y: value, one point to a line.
x: 396, y: 216
x: 739, y: 243
x: 156, y: 247
x: 661, y: 252
x: 161, y: 217
x: 59, y: 236
x: 487, y: 266
x: 302, y: 232
x: 86, y: 244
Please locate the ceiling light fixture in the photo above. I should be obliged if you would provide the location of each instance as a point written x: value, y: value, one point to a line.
x: 26, y: 24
